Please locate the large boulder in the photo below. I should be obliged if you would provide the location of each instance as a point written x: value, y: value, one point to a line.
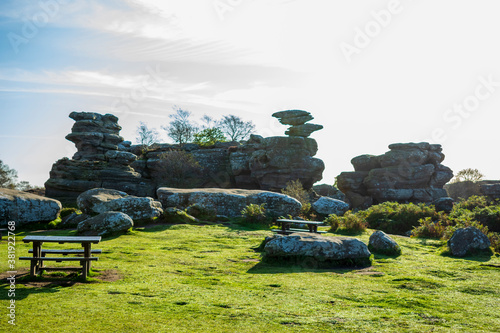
x: 106, y: 224
x: 380, y: 242
x: 409, y: 172
x: 330, y: 191
x: 297, y: 119
x: 327, y: 206
x: 101, y: 200
x: 320, y: 249
x: 24, y: 208
x: 468, y: 240
x: 228, y: 202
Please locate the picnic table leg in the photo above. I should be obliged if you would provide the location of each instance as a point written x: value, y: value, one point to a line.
x: 87, y: 254
x: 37, y: 264
x: 85, y: 266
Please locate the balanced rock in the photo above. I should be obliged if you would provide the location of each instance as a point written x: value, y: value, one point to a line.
x: 409, y: 172
x: 23, y: 208
x: 330, y: 191
x: 228, y: 202
x: 297, y: 119
x: 327, y: 206
x: 465, y: 241
x: 106, y: 224
x: 321, y: 250
x: 101, y: 200
x: 380, y: 242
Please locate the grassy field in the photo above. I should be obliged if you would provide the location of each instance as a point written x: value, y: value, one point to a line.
x: 188, y: 278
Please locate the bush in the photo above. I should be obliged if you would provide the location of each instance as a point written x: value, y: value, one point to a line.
x: 488, y: 216
x: 349, y: 223
x: 396, y: 218
x: 255, y: 214
x: 178, y: 168
x: 295, y: 190
x: 472, y: 202
x: 209, y: 136
x: 429, y: 229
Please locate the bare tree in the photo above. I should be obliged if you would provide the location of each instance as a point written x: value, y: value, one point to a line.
x: 468, y: 174
x: 181, y: 129
x: 146, y: 136
x: 235, y: 128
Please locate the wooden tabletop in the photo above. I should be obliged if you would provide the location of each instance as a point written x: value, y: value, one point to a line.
x: 63, y: 239
x: 300, y: 221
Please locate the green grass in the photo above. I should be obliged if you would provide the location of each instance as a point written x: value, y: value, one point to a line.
x: 194, y: 278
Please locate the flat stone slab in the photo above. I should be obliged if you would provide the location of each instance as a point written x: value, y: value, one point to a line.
x: 319, y: 248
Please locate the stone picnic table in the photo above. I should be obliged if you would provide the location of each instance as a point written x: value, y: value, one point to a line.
x: 39, y: 254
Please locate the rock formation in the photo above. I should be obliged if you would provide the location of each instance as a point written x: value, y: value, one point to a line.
x: 409, y: 172
x: 107, y: 223
x: 104, y: 160
x: 228, y: 202
x: 97, y: 162
x: 24, y: 208
x: 381, y: 243
x: 297, y: 119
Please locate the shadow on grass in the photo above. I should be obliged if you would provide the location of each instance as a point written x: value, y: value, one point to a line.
x: 307, y: 264
x: 480, y: 256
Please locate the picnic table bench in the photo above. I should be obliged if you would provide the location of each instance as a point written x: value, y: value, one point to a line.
x: 285, y: 226
x: 83, y: 256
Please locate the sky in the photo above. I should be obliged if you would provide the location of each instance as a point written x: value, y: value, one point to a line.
x: 371, y: 72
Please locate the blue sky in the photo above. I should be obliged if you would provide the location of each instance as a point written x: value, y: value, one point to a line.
x: 372, y: 72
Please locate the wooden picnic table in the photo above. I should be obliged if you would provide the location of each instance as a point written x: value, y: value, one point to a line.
x: 285, y: 226
x: 39, y: 254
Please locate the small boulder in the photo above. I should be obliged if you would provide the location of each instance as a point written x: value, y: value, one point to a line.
x: 327, y: 206
x: 72, y: 220
x: 100, y: 200
x: 106, y: 224
x: 465, y: 241
x: 318, y: 250
x: 381, y: 243
x: 443, y: 204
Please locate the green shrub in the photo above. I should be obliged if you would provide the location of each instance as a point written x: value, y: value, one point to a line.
x: 429, y: 229
x: 209, y: 136
x: 349, y: 223
x: 295, y: 190
x: 178, y: 168
x: 255, y: 214
x: 54, y: 224
x: 396, y: 218
x: 488, y: 216
x: 472, y: 202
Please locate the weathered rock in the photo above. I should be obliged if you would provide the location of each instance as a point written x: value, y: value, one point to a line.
x: 98, y: 162
x: 327, y: 206
x: 380, y: 242
x: 298, y: 119
x: 490, y: 189
x: 178, y: 216
x: 319, y: 248
x: 365, y: 162
x: 23, y: 208
x: 72, y: 220
x: 444, y: 204
x: 468, y: 240
x: 282, y: 159
x: 304, y: 130
x: 293, y: 117
x: 106, y: 224
x: 409, y: 172
x: 330, y: 191
x: 229, y: 202
x: 101, y: 200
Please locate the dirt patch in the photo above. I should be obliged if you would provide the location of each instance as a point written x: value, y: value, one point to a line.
x: 368, y: 271
x: 22, y: 278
